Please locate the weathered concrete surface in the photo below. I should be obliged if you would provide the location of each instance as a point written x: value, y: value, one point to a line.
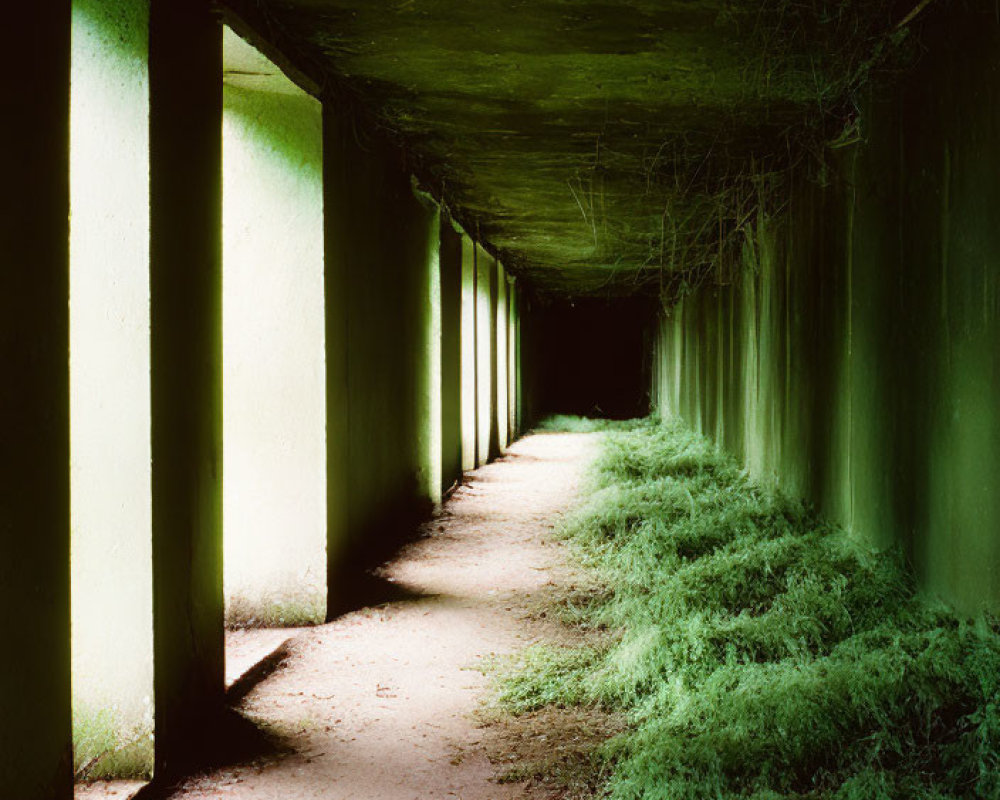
x: 112, y: 603
x: 382, y: 244
x: 470, y: 386
x: 35, y: 733
x: 485, y: 356
x: 559, y: 132
x: 185, y: 68
x: 500, y: 357
x: 450, y: 265
x: 855, y: 364
x: 274, y: 499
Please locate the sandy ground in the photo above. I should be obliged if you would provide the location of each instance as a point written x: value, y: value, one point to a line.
x: 381, y: 703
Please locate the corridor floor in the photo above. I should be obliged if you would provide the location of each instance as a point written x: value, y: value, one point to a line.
x: 381, y: 703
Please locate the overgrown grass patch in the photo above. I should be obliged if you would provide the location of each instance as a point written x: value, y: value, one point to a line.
x: 569, y: 423
x: 758, y: 651
x: 105, y: 747
x: 297, y: 608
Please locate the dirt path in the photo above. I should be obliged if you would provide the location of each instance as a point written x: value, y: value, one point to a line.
x: 379, y: 704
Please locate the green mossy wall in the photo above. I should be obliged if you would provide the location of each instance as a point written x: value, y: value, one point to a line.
x: 380, y: 238
x: 855, y: 362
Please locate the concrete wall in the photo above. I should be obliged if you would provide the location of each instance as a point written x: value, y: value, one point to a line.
x: 112, y: 597
x: 382, y: 250
x: 855, y: 364
x: 274, y: 500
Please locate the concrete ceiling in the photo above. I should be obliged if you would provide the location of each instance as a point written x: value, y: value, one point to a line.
x: 245, y: 67
x: 600, y: 146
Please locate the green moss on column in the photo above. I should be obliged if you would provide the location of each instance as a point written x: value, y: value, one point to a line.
x: 35, y: 732
x: 185, y: 73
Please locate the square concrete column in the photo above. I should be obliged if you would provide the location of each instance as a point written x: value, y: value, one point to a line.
x: 512, y: 431
x: 477, y: 448
x: 382, y: 241
x: 36, y: 755
x: 336, y: 306
x: 468, y: 353
x: 185, y: 75
x: 450, y: 265
x: 502, y: 386
x: 486, y: 337
x: 496, y: 447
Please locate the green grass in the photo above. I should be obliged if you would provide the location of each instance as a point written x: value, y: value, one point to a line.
x: 288, y: 609
x: 568, y: 423
x: 759, y: 651
x: 106, y: 748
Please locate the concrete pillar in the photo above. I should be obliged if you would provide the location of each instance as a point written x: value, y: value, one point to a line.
x: 112, y: 598
x: 185, y: 74
x: 519, y: 378
x: 450, y: 265
x: 468, y: 371
x: 35, y: 729
x: 485, y: 356
x: 274, y: 503
x: 495, y: 450
x: 512, y: 431
x: 337, y: 258
x: 477, y: 346
x: 502, y: 360
x: 381, y: 245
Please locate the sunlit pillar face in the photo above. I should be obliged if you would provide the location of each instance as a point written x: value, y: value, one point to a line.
x: 511, y: 358
x: 431, y: 411
x: 468, y: 354
x: 274, y: 496
x: 109, y: 377
x: 501, y: 356
x: 484, y: 353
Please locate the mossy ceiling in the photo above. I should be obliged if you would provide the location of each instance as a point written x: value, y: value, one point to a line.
x: 572, y: 133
